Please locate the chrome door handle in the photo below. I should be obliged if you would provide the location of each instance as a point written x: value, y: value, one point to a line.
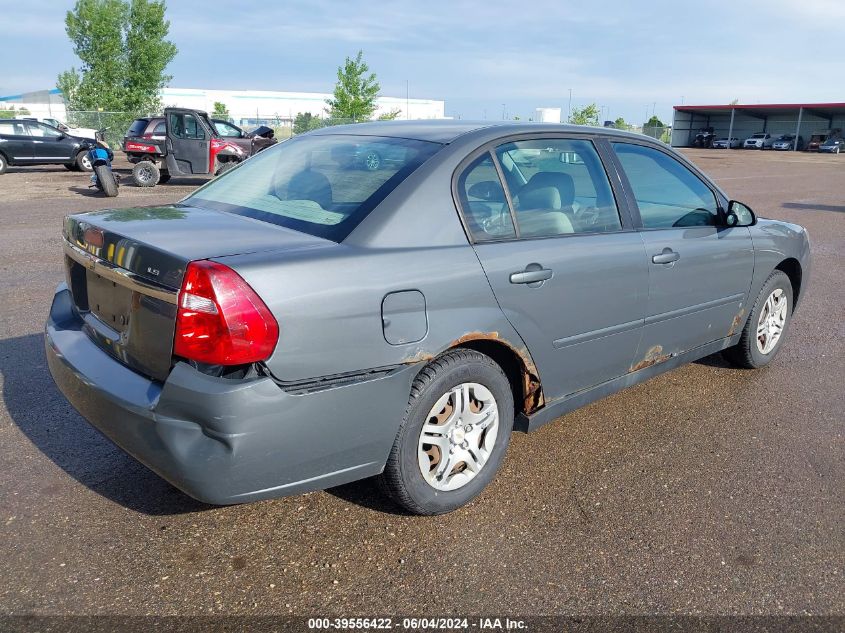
x: 531, y: 275
x: 668, y: 256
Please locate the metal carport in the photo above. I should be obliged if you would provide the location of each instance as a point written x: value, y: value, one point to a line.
x: 741, y: 121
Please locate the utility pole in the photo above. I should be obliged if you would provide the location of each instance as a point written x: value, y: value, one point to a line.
x: 407, y: 99
x: 503, y: 112
x: 569, y: 112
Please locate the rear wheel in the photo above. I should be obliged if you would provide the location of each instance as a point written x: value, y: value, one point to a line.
x: 763, y: 333
x: 4, y: 164
x: 145, y: 174
x: 83, y: 161
x: 372, y: 161
x: 454, y: 435
x: 106, y: 179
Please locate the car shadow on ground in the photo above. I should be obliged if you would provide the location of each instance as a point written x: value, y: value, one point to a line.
x: 40, y: 411
x: 811, y: 206
x: 367, y: 494
x: 715, y: 360
x: 88, y: 192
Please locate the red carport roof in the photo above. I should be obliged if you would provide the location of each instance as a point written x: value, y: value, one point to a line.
x: 764, y: 106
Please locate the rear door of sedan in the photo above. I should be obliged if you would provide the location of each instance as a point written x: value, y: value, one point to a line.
x: 699, y: 269
x: 563, y: 258
x: 16, y: 142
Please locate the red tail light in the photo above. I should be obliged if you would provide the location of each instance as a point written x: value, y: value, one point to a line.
x: 221, y: 320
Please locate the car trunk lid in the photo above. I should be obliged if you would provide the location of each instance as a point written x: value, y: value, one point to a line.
x: 124, y: 268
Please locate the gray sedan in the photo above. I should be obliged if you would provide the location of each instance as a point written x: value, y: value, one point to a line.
x: 300, y: 323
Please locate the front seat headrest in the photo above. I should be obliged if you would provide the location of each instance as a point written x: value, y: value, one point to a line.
x: 310, y: 185
x: 560, y: 181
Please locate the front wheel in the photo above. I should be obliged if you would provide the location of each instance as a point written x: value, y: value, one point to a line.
x: 766, y: 326
x: 105, y: 177
x: 83, y: 161
x: 224, y: 167
x: 454, y: 435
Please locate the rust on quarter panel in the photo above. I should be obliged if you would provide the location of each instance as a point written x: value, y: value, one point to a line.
x: 532, y: 391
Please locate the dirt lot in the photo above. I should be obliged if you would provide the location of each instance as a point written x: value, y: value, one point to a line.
x: 707, y: 490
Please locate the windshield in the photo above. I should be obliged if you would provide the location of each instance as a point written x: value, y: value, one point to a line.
x: 323, y: 185
x: 759, y: 136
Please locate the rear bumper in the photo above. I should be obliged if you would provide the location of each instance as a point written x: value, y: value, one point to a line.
x: 227, y: 441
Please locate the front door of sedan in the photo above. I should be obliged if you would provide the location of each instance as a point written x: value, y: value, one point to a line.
x: 699, y: 269
x: 568, y: 273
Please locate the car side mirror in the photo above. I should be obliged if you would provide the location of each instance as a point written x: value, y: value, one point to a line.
x: 740, y: 214
x: 487, y: 190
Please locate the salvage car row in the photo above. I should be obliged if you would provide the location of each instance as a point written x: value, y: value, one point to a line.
x: 829, y: 141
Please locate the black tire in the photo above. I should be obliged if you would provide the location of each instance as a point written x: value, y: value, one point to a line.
x: 145, y: 174
x: 402, y: 479
x: 224, y: 167
x: 4, y: 164
x: 107, y: 181
x: 71, y: 166
x: 163, y: 178
x: 372, y: 161
x: 82, y: 162
x: 746, y: 353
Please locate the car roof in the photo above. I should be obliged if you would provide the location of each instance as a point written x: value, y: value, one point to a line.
x: 447, y: 130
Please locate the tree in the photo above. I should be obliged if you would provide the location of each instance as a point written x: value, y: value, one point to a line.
x: 653, y: 127
x: 11, y: 113
x: 588, y: 115
x: 653, y: 122
x: 305, y: 122
x: 390, y: 116
x: 620, y: 124
x: 220, y: 111
x: 123, y: 50
x: 355, y: 92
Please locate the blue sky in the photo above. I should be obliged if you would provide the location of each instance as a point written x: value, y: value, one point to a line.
x: 483, y: 57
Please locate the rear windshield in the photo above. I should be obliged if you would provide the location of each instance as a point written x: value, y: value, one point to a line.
x: 323, y: 185
x: 137, y: 127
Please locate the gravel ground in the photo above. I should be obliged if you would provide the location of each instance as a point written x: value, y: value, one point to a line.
x: 707, y: 490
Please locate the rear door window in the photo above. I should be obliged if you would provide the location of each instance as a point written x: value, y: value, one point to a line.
x: 483, y: 201
x: 323, y: 185
x: 558, y: 187
x: 9, y: 128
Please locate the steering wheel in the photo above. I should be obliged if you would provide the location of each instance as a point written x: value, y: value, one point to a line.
x: 588, y: 216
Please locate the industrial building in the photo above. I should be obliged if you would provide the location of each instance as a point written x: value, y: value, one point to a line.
x: 741, y: 121
x: 245, y: 107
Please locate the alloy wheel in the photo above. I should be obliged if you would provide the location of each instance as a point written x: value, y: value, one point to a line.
x: 458, y: 436
x: 772, y: 321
